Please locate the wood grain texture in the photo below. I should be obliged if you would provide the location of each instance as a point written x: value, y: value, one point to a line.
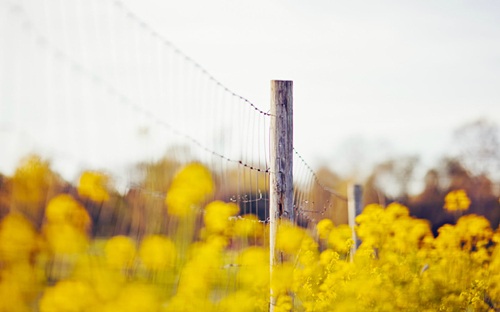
x: 281, y: 165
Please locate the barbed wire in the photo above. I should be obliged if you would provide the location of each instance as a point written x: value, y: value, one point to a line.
x: 43, y: 41
x: 167, y: 42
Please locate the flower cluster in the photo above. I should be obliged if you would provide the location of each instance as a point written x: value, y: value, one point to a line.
x: 216, y: 260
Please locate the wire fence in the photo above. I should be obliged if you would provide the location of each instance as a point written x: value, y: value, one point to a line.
x: 91, y: 85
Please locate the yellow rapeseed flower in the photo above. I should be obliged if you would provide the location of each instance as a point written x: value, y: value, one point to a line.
x: 18, y: 238
x: 157, y: 252
x: 93, y: 185
x: 240, y: 301
x: 65, y: 238
x: 340, y: 238
x: 324, y: 227
x: 281, y: 278
x: 189, y: 187
x: 26, y: 279
x: 120, y: 252
x: 289, y: 238
x: 284, y: 303
x: 473, y: 230
x: 138, y: 298
x: 248, y: 226
x: 64, y: 209
x: 327, y: 257
x: 254, y: 268
x: 31, y: 180
x: 11, y: 299
x: 217, y: 215
x: 68, y: 295
x: 92, y: 270
x: 456, y: 200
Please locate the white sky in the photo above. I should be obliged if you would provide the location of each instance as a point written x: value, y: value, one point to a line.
x: 397, y: 76
x: 403, y: 72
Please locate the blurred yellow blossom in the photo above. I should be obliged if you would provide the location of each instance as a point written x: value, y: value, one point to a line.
x: 281, y: 278
x: 64, y: 209
x: 189, y: 187
x: 289, y: 238
x: 68, y: 295
x: 120, y: 252
x: 93, y: 185
x: 18, y: 239
x: 327, y: 256
x: 138, y: 298
x: 217, y: 215
x: 157, y: 252
x: 11, y: 300
x: 31, y: 180
x: 24, y: 278
x: 93, y: 271
x: 340, y: 238
x: 456, y: 200
x: 66, y: 239
x: 248, y: 225
x: 473, y: 230
x: 324, y: 227
x: 284, y: 303
x: 240, y: 301
x: 254, y: 268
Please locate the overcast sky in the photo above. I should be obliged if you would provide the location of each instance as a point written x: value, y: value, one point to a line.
x: 372, y: 79
x: 401, y: 73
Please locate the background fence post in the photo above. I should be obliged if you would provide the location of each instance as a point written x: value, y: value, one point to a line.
x: 354, y: 209
x: 281, y: 186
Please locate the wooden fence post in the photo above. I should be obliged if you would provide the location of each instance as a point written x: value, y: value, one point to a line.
x: 354, y: 209
x: 281, y: 192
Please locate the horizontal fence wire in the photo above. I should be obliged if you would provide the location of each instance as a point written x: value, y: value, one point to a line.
x: 102, y: 73
x: 90, y: 87
x: 187, y: 58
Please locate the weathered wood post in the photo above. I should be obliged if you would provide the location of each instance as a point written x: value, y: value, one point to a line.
x: 281, y: 192
x: 354, y: 209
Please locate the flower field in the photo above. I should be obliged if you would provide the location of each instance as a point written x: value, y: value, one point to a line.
x: 211, y: 258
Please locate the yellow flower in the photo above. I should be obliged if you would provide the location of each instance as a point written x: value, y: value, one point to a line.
x: 254, y: 256
x: 120, y: 252
x: 456, y: 200
x: 289, y: 238
x: 189, y: 187
x: 18, y: 239
x: 248, y: 226
x: 396, y: 211
x: 92, y: 185
x: 157, y: 252
x: 283, y: 304
x: 63, y: 209
x: 24, y: 278
x: 474, y: 230
x: 93, y: 270
x: 281, y: 278
x: 138, y: 298
x: 324, y: 227
x: 217, y: 215
x: 66, y: 239
x: 254, y: 268
x: 340, y: 238
x: 11, y: 300
x: 67, y: 296
x: 240, y: 301
x: 31, y: 180
x: 327, y: 257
